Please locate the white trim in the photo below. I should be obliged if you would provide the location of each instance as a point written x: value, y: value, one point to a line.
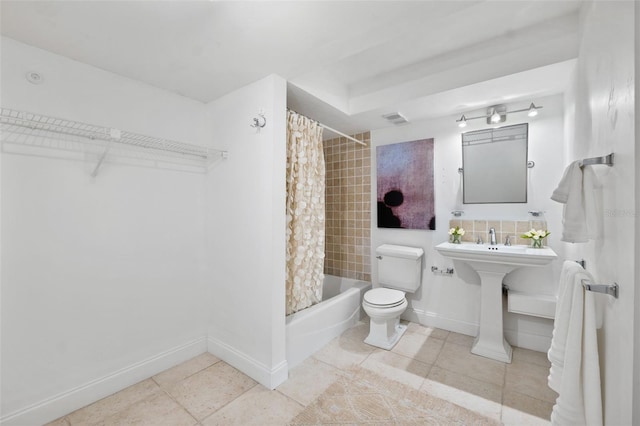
x: 431, y: 319
x: 66, y: 402
x: 268, y: 377
x: 535, y: 342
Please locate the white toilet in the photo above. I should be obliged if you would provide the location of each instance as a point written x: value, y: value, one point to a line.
x: 399, y: 271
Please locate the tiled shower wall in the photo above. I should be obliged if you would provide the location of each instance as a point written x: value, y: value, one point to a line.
x: 348, y: 208
x: 512, y: 228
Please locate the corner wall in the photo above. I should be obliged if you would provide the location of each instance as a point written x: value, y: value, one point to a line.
x: 452, y: 302
x: 245, y: 231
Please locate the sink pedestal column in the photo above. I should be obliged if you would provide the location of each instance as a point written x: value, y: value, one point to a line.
x: 490, y: 342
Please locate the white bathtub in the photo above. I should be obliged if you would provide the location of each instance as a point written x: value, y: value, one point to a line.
x: 312, y: 328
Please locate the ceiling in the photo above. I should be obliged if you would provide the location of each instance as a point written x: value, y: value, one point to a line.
x: 347, y: 62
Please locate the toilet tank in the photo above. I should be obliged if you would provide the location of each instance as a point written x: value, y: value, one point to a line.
x: 399, y: 267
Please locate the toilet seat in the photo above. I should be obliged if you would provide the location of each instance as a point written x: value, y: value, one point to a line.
x: 384, y: 297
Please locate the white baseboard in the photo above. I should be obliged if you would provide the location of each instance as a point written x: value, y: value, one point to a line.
x: 535, y: 342
x: 268, y: 377
x: 66, y: 402
x: 431, y: 319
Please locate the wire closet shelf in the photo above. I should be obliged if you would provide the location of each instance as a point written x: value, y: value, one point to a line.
x: 34, y: 134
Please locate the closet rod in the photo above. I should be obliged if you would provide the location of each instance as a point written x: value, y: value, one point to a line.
x: 324, y: 126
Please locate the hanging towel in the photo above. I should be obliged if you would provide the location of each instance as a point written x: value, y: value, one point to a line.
x: 571, y: 192
x: 561, y: 193
x: 575, y: 371
x: 561, y: 323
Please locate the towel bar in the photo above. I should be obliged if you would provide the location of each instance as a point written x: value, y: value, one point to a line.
x: 611, y: 290
x: 606, y: 160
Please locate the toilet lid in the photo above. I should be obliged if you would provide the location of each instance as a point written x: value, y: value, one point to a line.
x: 384, y: 297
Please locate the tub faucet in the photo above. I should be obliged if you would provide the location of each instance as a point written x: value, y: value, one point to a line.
x: 492, y: 236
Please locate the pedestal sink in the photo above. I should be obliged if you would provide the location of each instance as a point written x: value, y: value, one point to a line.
x: 492, y: 263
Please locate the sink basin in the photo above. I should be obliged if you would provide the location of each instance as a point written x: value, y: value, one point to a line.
x: 509, y: 256
x: 492, y: 263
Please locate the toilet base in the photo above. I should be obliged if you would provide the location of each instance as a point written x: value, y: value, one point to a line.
x: 380, y: 337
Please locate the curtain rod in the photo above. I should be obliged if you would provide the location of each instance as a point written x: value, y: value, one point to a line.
x: 324, y: 126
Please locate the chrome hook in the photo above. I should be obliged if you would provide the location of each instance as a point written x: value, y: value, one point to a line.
x: 259, y: 122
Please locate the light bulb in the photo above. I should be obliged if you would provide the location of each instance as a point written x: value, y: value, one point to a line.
x: 495, y: 117
x: 533, y: 110
x: 462, y: 122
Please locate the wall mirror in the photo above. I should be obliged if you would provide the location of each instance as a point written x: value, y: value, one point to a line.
x: 494, y: 165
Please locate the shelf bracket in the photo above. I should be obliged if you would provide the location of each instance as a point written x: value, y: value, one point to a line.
x: 114, y: 134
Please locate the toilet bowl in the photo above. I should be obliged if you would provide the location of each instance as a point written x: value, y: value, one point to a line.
x: 399, y: 272
x: 384, y: 307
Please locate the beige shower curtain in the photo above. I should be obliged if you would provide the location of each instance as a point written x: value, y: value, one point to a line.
x: 305, y: 212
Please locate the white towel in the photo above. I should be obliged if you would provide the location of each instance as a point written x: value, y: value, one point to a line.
x: 561, y: 323
x: 575, y: 371
x: 561, y: 193
x: 576, y: 192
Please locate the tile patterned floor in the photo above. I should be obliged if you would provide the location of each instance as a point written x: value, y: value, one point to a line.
x: 428, y: 365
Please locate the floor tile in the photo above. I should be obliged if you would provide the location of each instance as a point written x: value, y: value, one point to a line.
x: 429, y: 377
x: 156, y: 411
x: 326, y: 410
x: 368, y: 398
x: 62, y: 421
x: 523, y: 410
x: 481, y: 397
x: 258, y: 406
x: 408, y: 371
x: 346, y: 350
x: 460, y: 339
x: 113, y: 404
x: 436, y: 333
x: 309, y: 380
x: 459, y: 359
x: 419, y: 346
x: 169, y: 377
x: 530, y: 357
x: 210, y: 389
x: 529, y: 379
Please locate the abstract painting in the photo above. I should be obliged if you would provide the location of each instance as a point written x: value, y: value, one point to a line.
x: 405, y: 185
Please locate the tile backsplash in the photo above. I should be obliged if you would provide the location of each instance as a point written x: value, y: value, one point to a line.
x: 512, y: 228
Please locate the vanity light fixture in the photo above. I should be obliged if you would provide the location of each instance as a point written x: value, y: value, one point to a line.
x: 498, y: 114
x: 533, y: 110
x: 495, y: 117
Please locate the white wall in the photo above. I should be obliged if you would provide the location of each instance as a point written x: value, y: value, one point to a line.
x: 453, y: 302
x: 636, y: 351
x: 101, y: 279
x: 604, y: 123
x: 245, y: 212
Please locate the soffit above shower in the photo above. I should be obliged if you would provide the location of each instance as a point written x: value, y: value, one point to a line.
x: 355, y: 56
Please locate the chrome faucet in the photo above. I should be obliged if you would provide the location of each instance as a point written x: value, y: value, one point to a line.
x: 492, y: 236
x: 507, y: 241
